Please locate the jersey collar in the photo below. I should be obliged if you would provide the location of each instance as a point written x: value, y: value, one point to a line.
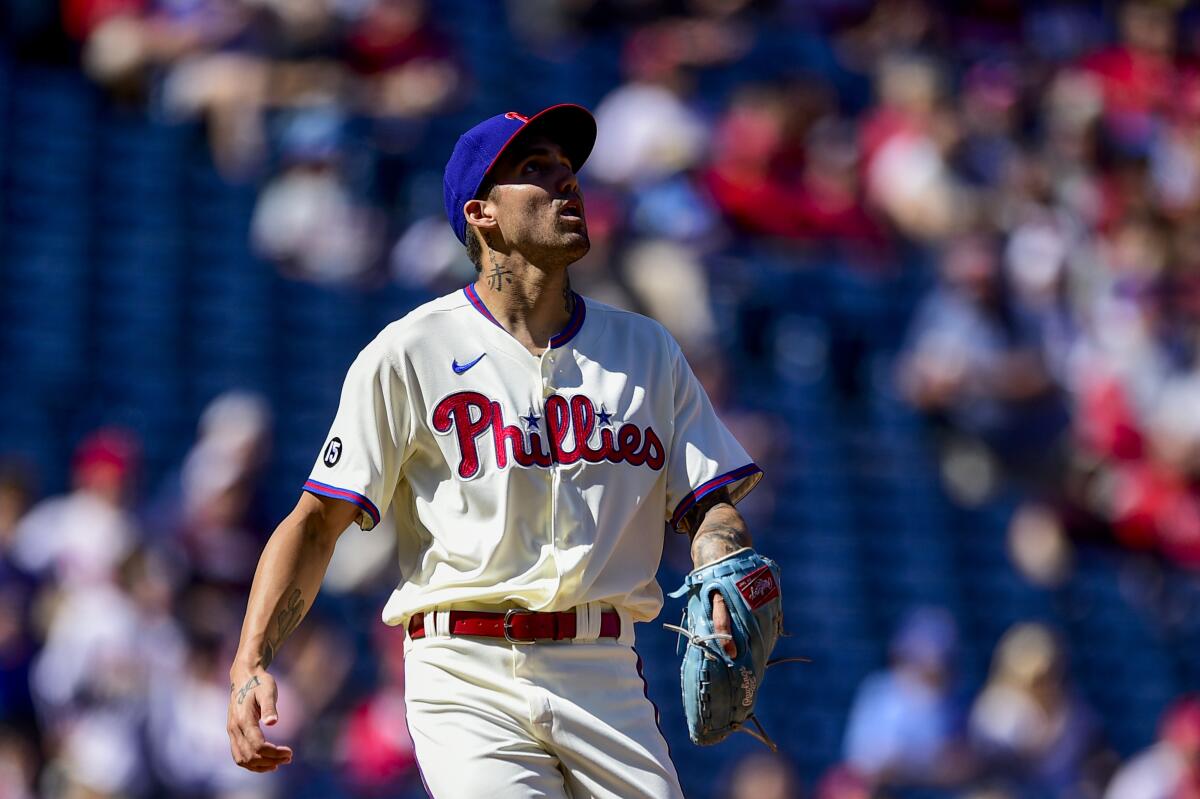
x: 574, y: 324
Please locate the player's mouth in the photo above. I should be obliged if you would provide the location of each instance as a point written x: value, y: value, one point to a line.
x: 571, y: 209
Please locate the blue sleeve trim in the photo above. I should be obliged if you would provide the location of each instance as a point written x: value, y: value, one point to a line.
x: 353, y: 497
x: 740, y: 473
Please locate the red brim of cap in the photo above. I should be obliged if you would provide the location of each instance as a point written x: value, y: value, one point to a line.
x: 570, y: 126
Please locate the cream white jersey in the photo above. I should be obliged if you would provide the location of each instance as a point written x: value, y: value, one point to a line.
x: 540, y: 482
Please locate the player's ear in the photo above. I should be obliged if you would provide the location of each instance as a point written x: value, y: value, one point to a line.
x: 480, y: 213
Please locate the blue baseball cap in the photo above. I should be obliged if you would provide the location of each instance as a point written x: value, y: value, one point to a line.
x: 571, y: 126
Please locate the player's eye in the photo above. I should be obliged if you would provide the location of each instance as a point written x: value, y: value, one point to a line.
x: 536, y: 164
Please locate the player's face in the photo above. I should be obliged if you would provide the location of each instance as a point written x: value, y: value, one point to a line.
x: 538, y: 205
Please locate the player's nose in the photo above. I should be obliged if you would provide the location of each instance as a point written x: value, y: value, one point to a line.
x: 568, y: 181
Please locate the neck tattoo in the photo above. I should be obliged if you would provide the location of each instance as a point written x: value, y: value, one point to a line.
x: 498, y: 276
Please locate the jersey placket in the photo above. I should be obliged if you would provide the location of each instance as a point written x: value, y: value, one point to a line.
x: 547, y: 371
x: 548, y: 365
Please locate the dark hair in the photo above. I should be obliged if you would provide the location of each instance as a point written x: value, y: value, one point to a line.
x: 474, y: 237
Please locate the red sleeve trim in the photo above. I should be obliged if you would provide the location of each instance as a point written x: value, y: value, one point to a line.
x: 741, y: 473
x: 353, y: 497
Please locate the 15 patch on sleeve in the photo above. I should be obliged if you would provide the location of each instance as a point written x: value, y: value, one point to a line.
x: 333, y: 452
x: 758, y: 588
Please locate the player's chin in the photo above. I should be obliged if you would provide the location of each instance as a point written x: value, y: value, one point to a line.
x: 574, y: 238
x: 577, y: 244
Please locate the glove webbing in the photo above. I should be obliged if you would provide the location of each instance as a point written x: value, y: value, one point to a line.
x: 697, y: 640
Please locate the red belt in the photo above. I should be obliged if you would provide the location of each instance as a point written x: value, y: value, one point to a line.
x: 517, y: 626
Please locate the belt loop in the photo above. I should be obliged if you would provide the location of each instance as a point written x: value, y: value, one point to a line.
x: 626, y: 627
x: 587, y: 622
x: 437, y: 623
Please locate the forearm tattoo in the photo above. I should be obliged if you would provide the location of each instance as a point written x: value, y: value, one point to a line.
x: 690, y: 523
x: 285, y: 622
x: 247, y: 688
x: 715, y: 541
x: 717, y: 529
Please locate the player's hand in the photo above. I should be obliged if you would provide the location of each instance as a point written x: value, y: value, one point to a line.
x: 723, y: 624
x: 252, y: 698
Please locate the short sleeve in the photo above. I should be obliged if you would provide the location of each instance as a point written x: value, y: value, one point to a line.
x: 366, y: 446
x: 704, y: 456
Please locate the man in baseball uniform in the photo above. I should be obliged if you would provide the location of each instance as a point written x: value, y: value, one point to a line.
x: 530, y: 444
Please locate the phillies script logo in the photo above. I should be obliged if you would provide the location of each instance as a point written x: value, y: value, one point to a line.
x: 569, y: 429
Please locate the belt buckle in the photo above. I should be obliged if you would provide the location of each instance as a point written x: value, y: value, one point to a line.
x: 508, y: 636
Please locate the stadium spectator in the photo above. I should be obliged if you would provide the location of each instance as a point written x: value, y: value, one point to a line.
x: 905, y: 144
x: 905, y: 725
x: 974, y: 363
x: 125, y: 41
x: 1170, y: 769
x: 107, y: 645
x: 307, y: 220
x: 408, y: 69
x: 1136, y: 75
x: 1030, y: 726
x: 81, y: 538
x: 650, y: 130
x: 207, y: 512
x: 752, y: 174
x: 762, y: 776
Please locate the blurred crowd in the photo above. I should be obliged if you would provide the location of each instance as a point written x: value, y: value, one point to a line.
x: 1035, y: 168
x: 1028, y: 731
x: 121, y: 617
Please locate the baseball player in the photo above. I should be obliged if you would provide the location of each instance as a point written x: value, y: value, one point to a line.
x: 530, y: 444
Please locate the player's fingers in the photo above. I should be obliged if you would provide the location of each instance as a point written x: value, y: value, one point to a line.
x: 259, y: 746
x: 243, y: 753
x: 237, y: 741
x: 262, y: 766
x: 257, y: 755
x: 243, y: 750
x: 270, y: 759
x: 270, y: 751
x: 266, y: 695
x: 235, y: 750
x: 246, y: 716
x: 253, y: 737
x: 722, y: 623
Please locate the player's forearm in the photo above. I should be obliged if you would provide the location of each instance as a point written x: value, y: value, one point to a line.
x: 721, y: 532
x: 286, y: 582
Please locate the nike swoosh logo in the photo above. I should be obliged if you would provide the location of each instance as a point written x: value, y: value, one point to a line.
x: 458, y: 370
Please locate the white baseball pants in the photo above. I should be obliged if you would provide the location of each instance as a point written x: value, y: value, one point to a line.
x: 567, y: 719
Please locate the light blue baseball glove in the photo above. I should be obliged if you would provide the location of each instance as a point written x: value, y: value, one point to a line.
x: 719, y: 691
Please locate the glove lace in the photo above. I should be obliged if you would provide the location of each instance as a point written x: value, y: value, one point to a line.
x: 695, y: 639
x: 761, y: 735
